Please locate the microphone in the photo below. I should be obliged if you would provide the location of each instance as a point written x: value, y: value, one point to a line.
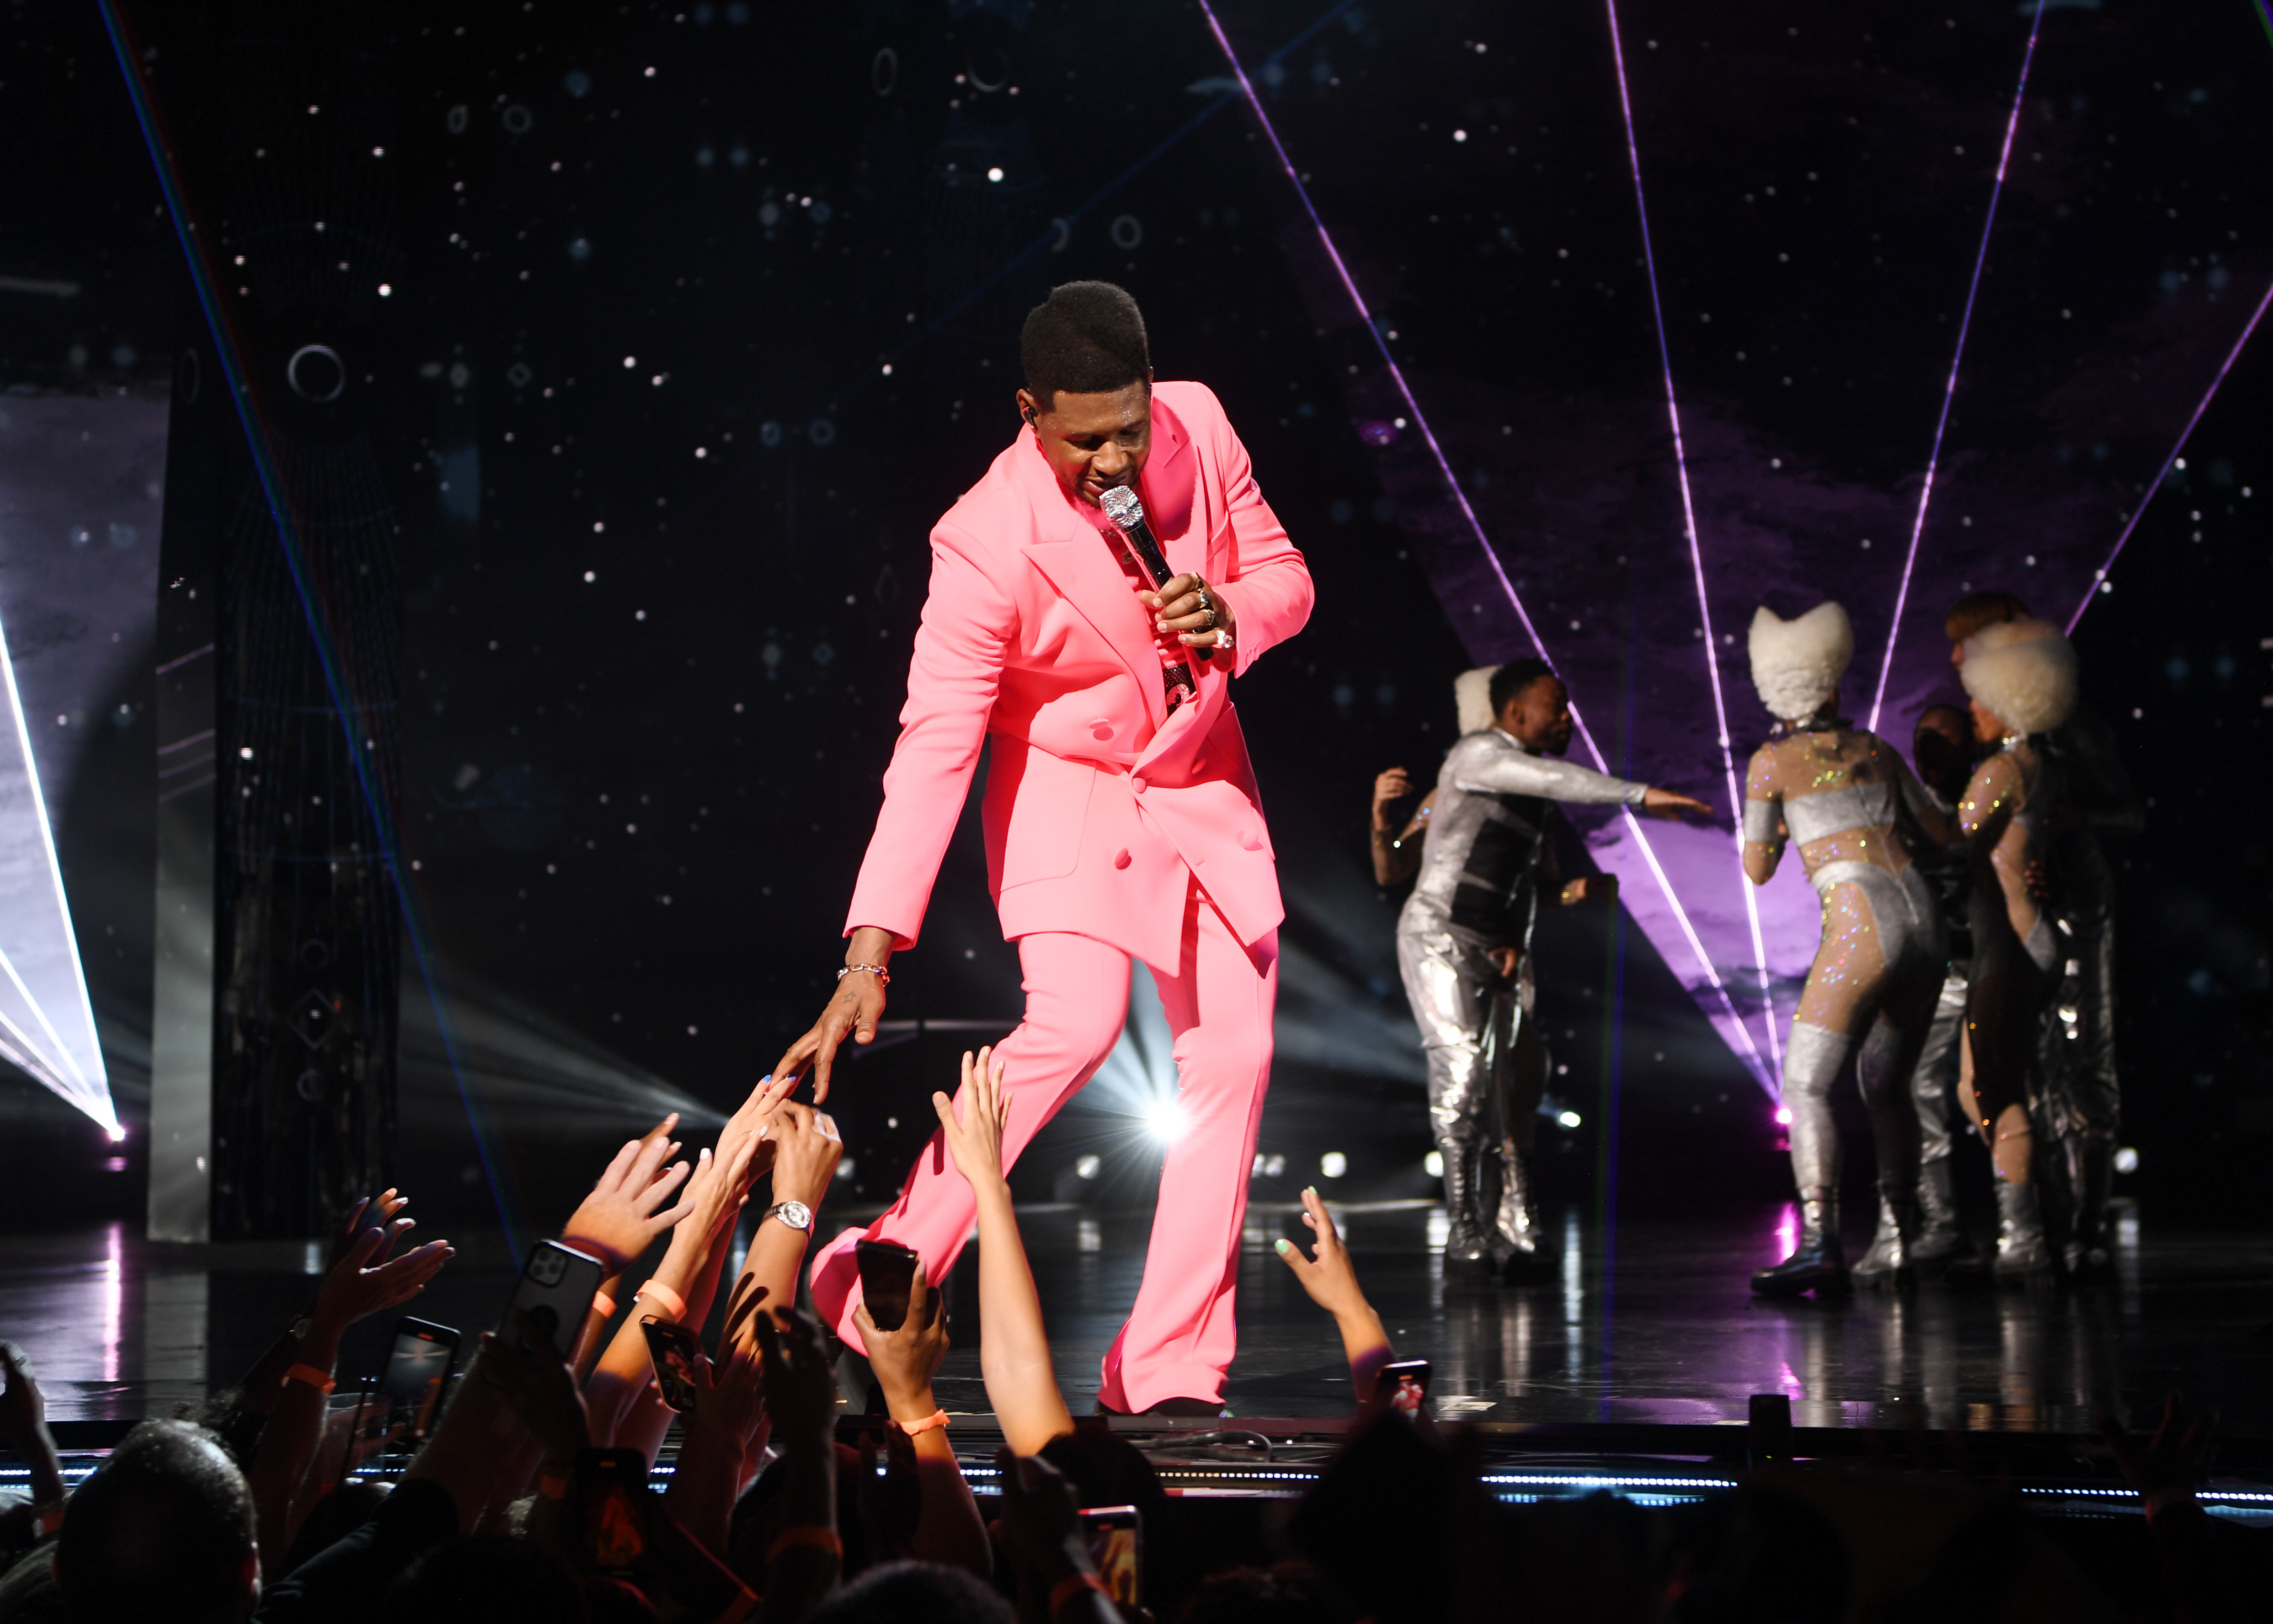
x: 1125, y: 509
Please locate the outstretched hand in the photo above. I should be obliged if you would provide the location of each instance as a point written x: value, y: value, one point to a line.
x: 1328, y: 1276
x: 974, y: 1140
x: 852, y: 1011
x: 364, y: 1279
x: 800, y: 1392
x: 1668, y: 803
x: 619, y: 1218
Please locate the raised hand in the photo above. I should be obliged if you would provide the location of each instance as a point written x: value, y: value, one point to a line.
x: 730, y: 1395
x: 617, y: 1219
x: 1591, y: 888
x: 806, y: 1150
x: 906, y: 1359
x: 23, y: 1409
x: 764, y: 1100
x: 719, y: 1187
x: 800, y: 1393
x: 1394, y: 784
x: 975, y: 1138
x: 371, y: 1212
x: 539, y: 1385
x: 1328, y: 1276
x: 364, y: 1279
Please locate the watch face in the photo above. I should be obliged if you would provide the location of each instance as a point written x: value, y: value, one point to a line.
x: 797, y: 1215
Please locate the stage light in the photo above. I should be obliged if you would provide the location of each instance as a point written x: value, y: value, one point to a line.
x: 844, y: 1167
x: 1333, y: 1164
x: 117, y: 1132
x: 1783, y: 1116
x: 1433, y: 1164
x: 1088, y: 1167
x: 2126, y: 1160
x: 1569, y: 1119
x: 1165, y: 1120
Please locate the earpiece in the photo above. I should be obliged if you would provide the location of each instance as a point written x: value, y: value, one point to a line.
x: 1027, y: 412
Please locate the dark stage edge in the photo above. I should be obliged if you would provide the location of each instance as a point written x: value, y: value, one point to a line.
x: 1643, y: 1352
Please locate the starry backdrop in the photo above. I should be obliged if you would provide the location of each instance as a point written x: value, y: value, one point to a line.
x: 688, y: 320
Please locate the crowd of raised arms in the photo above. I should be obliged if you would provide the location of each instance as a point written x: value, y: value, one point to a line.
x: 515, y: 1506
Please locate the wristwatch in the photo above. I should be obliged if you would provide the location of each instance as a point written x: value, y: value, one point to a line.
x: 796, y: 1215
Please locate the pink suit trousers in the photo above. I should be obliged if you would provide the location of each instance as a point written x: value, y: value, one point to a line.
x: 1180, y: 1336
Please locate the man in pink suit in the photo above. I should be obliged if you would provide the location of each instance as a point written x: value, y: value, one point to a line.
x: 1121, y: 820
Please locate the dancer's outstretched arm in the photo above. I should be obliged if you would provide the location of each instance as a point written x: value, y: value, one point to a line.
x: 1331, y: 1280
x: 1014, y: 1353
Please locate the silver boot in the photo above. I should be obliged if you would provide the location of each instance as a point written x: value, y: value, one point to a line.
x: 1515, y: 1239
x: 2021, y: 1250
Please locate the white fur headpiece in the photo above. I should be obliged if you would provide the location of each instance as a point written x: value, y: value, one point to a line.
x: 1796, y: 664
x: 2024, y: 672
x: 1472, y: 693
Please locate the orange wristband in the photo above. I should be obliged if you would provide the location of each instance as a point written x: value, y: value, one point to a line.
x: 1072, y: 1585
x: 664, y: 1299
x: 938, y: 1417
x: 604, y: 1305
x: 310, y: 1375
x: 808, y: 1535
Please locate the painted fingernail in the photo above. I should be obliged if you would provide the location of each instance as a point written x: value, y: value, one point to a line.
x: 1282, y: 1247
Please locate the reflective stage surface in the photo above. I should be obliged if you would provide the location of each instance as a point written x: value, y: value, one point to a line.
x: 1651, y: 1323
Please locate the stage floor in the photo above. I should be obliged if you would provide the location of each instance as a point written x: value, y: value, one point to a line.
x: 1650, y: 1323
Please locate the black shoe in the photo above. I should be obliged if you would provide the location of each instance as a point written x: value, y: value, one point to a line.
x: 1819, y: 1263
x: 1887, y: 1262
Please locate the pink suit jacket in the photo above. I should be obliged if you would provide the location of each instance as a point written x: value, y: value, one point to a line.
x: 1100, y: 805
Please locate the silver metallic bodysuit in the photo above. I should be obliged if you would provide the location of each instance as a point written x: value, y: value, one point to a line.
x: 1487, y: 855
x: 1883, y: 953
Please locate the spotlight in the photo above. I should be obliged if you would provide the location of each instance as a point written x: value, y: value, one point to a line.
x: 1783, y: 1116
x: 1433, y: 1164
x: 2126, y: 1160
x: 844, y: 1167
x: 1088, y: 1167
x: 1164, y: 1119
x: 1333, y: 1164
x: 117, y: 1132
x: 1569, y: 1119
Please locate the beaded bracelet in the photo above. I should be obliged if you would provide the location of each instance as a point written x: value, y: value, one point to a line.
x: 882, y: 975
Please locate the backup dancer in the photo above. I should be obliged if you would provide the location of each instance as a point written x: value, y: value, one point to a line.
x: 1839, y: 791
x: 1463, y: 944
x: 2021, y: 676
x: 2086, y: 1107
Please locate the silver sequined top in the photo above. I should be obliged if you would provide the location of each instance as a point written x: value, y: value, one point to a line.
x: 1487, y: 796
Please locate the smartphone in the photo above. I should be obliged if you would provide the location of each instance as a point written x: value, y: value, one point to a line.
x: 613, y: 1509
x: 887, y: 1272
x: 1116, y: 1545
x: 417, y: 1373
x: 673, y: 1349
x: 556, y: 1289
x: 1403, y: 1386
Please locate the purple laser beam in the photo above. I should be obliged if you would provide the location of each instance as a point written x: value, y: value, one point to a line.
x: 1445, y: 467
x: 2099, y: 578
x: 1949, y: 389
x: 1696, y: 553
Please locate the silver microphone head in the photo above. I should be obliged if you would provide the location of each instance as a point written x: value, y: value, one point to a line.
x: 1122, y: 506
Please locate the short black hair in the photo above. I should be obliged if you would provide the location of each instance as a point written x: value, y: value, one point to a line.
x: 914, y: 1590
x: 161, y: 1530
x: 1086, y: 338
x: 1512, y: 678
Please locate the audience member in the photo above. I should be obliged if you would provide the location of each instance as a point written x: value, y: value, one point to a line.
x: 178, y: 1524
